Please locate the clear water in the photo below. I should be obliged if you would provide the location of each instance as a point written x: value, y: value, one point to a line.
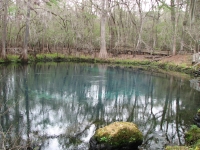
x: 58, y: 106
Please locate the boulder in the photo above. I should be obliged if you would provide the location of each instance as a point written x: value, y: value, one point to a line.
x: 197, y: 118
x: 117, y: 136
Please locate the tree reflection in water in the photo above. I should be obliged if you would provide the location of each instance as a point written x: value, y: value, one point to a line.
x: 59, y: 106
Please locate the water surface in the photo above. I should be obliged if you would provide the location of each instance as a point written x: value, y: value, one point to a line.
x: 58, y: 106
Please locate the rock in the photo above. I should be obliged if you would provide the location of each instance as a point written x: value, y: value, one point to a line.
x: 197, y: 119
x: 117, y: 136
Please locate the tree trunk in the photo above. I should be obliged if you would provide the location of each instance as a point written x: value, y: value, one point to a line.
x: 192, y: 11
x: 173, y: 20
x: 140, y: 28
x: 112, y: 29
x: 183, y: 28
x: 4, y: 28
x: 18, y: 41
x: 26, y: 37
x: 103, y: 51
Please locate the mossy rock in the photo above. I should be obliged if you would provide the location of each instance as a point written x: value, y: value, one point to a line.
x: 118, y: 135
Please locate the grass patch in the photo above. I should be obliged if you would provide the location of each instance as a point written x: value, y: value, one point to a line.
x: 13, y: 58
x: 49, y: 57
x: 130, y: 62
x: 173, y: 67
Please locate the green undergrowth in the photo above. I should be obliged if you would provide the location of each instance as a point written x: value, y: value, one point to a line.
x: 173, y: 67
x: 10, y: 59
x: 192, y: 139
x: 48, y: 57
x: 56, y: 57
x: 177, y: 148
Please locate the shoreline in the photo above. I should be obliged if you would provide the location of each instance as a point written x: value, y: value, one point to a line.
x: 166, y: 63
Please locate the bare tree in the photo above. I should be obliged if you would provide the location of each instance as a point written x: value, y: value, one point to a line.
x: 103, y: 51
x: 184, y: 24
x: 173, y: 20
x: 4, y: 28
x: 26, y: 37
x: 18, y: 23
x: 138, y: 44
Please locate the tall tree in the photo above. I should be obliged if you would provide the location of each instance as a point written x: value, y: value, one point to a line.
x: 18, y: 22
x: 184, y: 26
x: 140, y: 28
x: 173, y: 20
x: 26, y: 37
x: 4, y: 28
x: 192, y: 10
x: 103, y: 51
x: 194, y: 23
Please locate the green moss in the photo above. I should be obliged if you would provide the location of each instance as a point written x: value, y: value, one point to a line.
x: 49, y: 57
x: 119, y: 133
x: 10, y: 59
x: 192, y: 136
x: 177, y: 148
x: 173, y: 67
x: 13, y: 57
x: 197, y: 144
x: 129, y: 62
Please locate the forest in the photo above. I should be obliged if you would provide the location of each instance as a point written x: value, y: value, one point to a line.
x: 93, y: 26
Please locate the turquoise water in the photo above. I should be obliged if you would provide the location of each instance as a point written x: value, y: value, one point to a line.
x: 58, y: 106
